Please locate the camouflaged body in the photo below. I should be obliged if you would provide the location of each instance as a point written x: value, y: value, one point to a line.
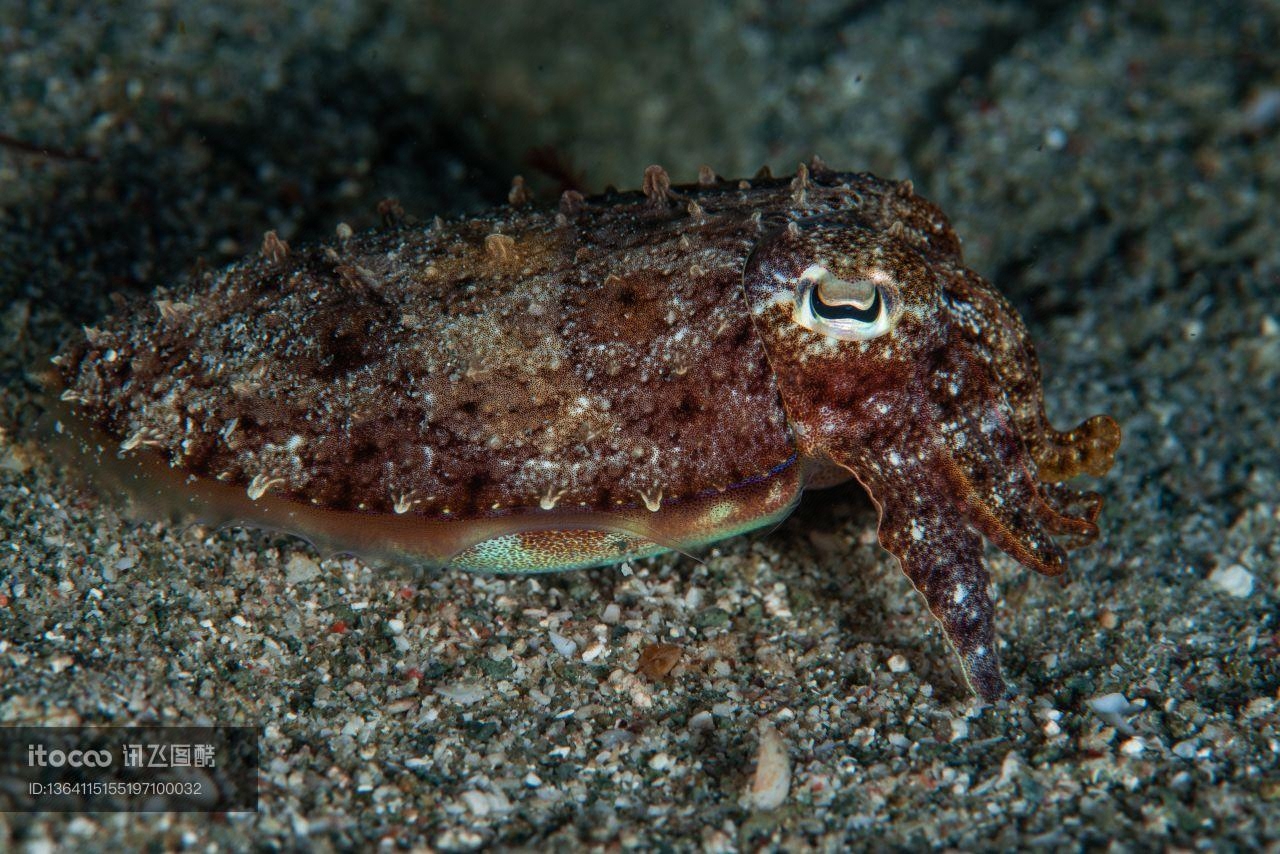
x: 595, y: 355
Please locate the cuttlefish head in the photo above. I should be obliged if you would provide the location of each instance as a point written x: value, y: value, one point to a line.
x: 918, y: 378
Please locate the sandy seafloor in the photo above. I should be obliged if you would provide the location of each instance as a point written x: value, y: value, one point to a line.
x: 1113, y: 167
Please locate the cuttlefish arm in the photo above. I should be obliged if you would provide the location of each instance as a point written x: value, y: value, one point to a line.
x: 939, y: 551
x: 952, y: 468
x: 991, y: 328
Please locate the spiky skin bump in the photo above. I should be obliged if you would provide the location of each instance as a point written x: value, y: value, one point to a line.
x: 553, y: 387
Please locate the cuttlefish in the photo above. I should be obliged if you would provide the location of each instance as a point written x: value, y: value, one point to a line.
x: 554, y: 387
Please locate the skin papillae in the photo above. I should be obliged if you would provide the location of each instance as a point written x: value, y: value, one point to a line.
x: 552, y: 387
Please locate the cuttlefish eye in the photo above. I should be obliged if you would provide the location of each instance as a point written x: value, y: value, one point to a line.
x: 849, y: 309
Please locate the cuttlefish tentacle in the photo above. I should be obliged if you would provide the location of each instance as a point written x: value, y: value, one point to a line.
x: 938, y: 550
x: 990, y: 325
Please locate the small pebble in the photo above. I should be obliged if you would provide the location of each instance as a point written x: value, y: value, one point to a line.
x: 660, y: 762
x: 1111, y: 704
x: 772, y: 780
x: 477, y: 802
x: 898, y: 664
x: 611, y: 738
x: 464, y: 693
x: 563, y: 645
x: 1234, y: 580
x: 702, y: 722
x: 657, y: 660
x: 300, y: 568
x: 1012, y: 767
x: 1133, y: 746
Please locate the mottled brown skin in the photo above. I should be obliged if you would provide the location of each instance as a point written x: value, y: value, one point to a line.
x: 628, y: 366
x: 591, y: 358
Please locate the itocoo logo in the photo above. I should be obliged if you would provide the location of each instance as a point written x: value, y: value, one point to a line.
x: 38, y: 754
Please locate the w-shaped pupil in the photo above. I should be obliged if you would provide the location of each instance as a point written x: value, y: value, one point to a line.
x: 842, y: 311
